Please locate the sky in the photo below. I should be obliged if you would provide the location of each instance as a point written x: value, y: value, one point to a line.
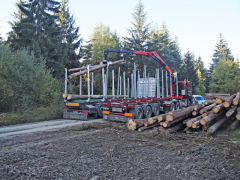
x: 196, y: 23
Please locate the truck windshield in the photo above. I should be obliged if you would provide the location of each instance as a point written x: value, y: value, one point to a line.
x: 199, y: 98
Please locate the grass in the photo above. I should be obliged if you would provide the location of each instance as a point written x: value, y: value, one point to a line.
x: 235, y: 135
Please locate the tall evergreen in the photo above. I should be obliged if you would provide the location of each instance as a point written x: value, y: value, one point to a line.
x: 201, y: 76
x: 138, y: 35
x: 40, y: 34
x: 71, y: 36
x: 221, y: 51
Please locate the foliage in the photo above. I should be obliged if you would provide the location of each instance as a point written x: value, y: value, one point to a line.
x: 225, y: 77
x: 201, y: 76
x: 39, y: 33
x: 71, y: 36
x: 25, y: 83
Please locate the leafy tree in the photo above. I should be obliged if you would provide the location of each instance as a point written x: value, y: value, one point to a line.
x: 221, y: 51
x: 188, y: 68
x: 39, y: 32
x: 225, y: 77
x: 71, y: 36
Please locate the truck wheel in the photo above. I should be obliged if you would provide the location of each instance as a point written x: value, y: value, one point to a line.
x: 139, y: 112
x: 100, y: 111
x: 156, y: 110
x: 172, y: 107
x: 148, y: 112
x: 177, y: 106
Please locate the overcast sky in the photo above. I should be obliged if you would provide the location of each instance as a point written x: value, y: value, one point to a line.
x: 196, y: 23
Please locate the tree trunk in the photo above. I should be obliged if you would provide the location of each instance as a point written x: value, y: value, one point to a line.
x: 176, y: 111
x: 186, y: 111
x: 194, y: 113
x: 196, y: 124
x: 216, y: 125
x: 161, y: 117
x: 209, y: 102
x: 209, y: 118
x: 181, y: 118
x: 217, y: 108
x: 151, y: 120
x: 175, y: 128
x: 205, y: 114
x: 94, y: 68
x: 199, y: 106
x: 190, y: 122
x: 238, y: 109
x: 147, y: 127
x: 234, y: 124
x: 208, y: 108
x: 238, y: 115
x: 231, y: 111
x: 236, y: 99
x: 134, y: 124
x: 229, y: 100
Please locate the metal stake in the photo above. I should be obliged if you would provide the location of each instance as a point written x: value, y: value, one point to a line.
x: 118, y: 83
x: 128, y: 89
x: 124, y: 86
x: 88, y: 80
x: 80, y: 85
x: 103, y: 81
x: 92, y: 83
x: 166, y: 84
x: 135, y: 83
x: 120, y: 90
x: 162, y: 85
x: 113, y: 93
x: 171, y: 84
x: 65, y: 80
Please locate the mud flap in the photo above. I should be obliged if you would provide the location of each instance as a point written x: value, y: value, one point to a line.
x: 112, y: 117
x: 76, y: 116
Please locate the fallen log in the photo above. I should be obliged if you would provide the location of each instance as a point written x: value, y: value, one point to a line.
x: 209, y: 102
x: 147, y: 127
x: 196, y: 124
x: 217, y: 108
x: 94, y: 68
x: 176, y: 111
x: 236, y: 99
x: 175, y: 128
x: 152, y: 120
x: 198, y: 107
x: 216, y: 125
x: 238, y: 115
x: 229, y: 100
x: 231, y: 111
x: 208, y: 108
x: 209, y: 118
x: 134, y: 124
x: 238, y: 109
x: 219, y: 100
x: 234, y: 124
x: 206, y: 114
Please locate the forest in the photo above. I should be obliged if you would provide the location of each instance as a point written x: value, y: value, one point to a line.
x: 45, y: 39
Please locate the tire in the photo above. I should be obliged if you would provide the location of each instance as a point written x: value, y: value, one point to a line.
x: 148, y: 113
x: 100, y: 111
x: 138, y: 112
x: 177, y: 106
x: 172, y: 107
x: 156, y: 110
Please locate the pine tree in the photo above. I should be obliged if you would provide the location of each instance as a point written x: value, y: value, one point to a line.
x: 201, y: 75
x: 221, y: 51
x: 71, y: 36
x: 40, y: 34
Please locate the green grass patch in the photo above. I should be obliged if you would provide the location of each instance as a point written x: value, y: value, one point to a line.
x: 235, y: 135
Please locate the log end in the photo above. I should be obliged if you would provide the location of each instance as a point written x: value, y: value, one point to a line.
x: 71, y: 76
x: 235, y: 102
x: 226, y: 104
x: 169, y: 117
x: 215, y: 110
x: 131, y: 125
x: 165, y: 124
x: 203, y: 121
x: 159, y: 118
x: 189, y: 123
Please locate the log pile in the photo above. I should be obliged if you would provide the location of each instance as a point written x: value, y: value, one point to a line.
x: 209, y: 117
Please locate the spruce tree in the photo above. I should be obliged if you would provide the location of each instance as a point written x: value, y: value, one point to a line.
x: 40, y: 34
x: 71, y: 36
x: 201, y: 75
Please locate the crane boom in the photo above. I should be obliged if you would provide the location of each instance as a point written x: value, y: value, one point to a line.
x: 153, y: 54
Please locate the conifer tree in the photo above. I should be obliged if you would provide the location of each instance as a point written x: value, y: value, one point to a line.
x: 201, y: 75
x: 71, y: 36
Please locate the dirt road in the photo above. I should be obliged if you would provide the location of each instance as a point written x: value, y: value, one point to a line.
x: 42, y: 126
x: 107, y: 150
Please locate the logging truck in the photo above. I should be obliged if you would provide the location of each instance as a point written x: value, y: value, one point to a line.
x: 145, y: 102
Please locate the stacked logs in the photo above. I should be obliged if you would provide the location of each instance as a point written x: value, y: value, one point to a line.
x: 209, y: 117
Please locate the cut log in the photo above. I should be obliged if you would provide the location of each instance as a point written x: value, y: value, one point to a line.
x: 209, y: 118
x: 217, y: 108
x: 190, y: 122
x: 205, y: 114
x: 151, y: 120
x: 196, y: 124
x: 216, y: 125
x: 219, y: 100
x: 231, y: 111
x: 209, y: 102
x: 201, y: 111
x: 161, y: 117
x: 208, y: 108
x: 229, y: 100
x: 195, y: 113
x: 64, y: 96
x: 76, y: 97
x: 81, y: 68
x: 169, y: 123
x: 176, y: 111
x: 198, y: 107
x: 234, y: 124
x: 175, y: 128
x: 236, y: 99
x: 147, y: 127
x: 185, y: 111
x: 134, y: 124
x: 95, y: 68
x: 161, y: 123
x: 238, y: 116
x: 238, y: 109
